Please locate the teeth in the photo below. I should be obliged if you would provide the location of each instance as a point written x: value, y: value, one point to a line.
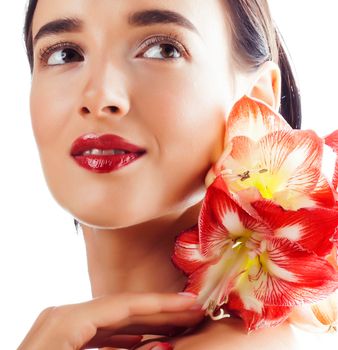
x: 96, y: 151
x: 113, y: 151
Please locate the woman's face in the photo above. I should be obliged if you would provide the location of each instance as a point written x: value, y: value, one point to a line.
x: 159, y: 81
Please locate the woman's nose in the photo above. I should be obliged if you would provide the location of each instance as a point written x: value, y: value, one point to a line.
x: 105, y: 94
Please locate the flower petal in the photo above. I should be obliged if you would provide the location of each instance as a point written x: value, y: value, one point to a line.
x: 253, y: 118
x: 319, y: 317
x: 221, y: 277
x: 283, y: 165
x: 312, y: 228
x: 222, y: 219
x: 287, y: 276
x: 293, y: 159
x: 188, y: 258
x: 332, y: 258
x: 292, y: 276
x: 244, y: 154
x: 293, y: 155
x: 187, y: 255
x: 332, y: 141
x: 244, y: 157
x: 269, y: 316
x: 326, y: 311
x: 198, y: 281
x: 323, y: 195
x: 216, y: 168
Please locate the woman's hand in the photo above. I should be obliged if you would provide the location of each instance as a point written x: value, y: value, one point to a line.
x: 116, y: 321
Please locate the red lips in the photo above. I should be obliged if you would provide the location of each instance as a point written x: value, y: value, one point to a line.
x: 104, y: 142
x: 104, y: 163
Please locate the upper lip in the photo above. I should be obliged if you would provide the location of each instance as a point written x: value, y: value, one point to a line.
x: 104, y: 142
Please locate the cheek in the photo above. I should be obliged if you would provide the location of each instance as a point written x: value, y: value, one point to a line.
x: 185, y: 113
x: 50, y: 107
x: 52, y: 115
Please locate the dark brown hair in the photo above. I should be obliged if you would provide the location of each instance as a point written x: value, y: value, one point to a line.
x: 256, y: 39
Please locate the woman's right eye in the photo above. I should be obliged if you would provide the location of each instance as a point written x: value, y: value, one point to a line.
x: 60, y: 54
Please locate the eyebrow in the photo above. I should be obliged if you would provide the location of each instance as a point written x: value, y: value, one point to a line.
x: 62, y: 25
x: 137, y: 19
x: 149, y: 17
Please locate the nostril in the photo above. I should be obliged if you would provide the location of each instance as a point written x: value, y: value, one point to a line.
x: 113, y: 109
x: 85, y: 110
x: 107, y: 109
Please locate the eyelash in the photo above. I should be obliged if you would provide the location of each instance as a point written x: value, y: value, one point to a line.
x: 172, y: 39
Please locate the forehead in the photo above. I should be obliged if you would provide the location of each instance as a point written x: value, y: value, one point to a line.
x: 207, y: 16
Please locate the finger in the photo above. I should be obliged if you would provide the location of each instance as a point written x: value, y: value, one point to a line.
x: 102, y: 338
x: 112, y: 309
x: 160, y: 324
x: 138, y: 329
x: 169, y: 324
x: 78, y: 323
x: 116, y: 341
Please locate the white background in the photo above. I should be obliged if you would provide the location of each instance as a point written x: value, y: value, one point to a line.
x: 42, y: 259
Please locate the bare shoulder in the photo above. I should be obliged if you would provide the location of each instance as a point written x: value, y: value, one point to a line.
x: 230, y: 334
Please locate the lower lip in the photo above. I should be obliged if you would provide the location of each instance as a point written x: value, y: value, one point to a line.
x: 106, y: 163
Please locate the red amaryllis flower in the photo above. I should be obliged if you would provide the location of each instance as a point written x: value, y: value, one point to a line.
x: 262, y: 151
x: 259, y: 265
x: 267, y: 230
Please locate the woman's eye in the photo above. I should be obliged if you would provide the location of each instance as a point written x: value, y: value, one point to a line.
x: 164, y: 47
x: 59, y: 55
x: 64, y: 56
x: 157, y: 48
x: 163, y: 51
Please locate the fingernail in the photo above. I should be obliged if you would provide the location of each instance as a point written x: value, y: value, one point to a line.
x: 187, y: 294
x: 163, y: 346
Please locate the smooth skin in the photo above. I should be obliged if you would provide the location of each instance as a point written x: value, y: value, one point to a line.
x: 175, y: 109
x: 102, y: 322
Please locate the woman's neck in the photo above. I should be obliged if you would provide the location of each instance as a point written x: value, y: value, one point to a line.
x: 137, y: 258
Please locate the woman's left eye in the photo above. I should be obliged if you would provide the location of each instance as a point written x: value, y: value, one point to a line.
x: 60, y: 54
x: 163, y: 49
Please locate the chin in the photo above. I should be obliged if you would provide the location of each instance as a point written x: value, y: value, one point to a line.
x: 113, y: 219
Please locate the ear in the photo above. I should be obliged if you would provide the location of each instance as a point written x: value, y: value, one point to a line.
x: 266, y: 85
